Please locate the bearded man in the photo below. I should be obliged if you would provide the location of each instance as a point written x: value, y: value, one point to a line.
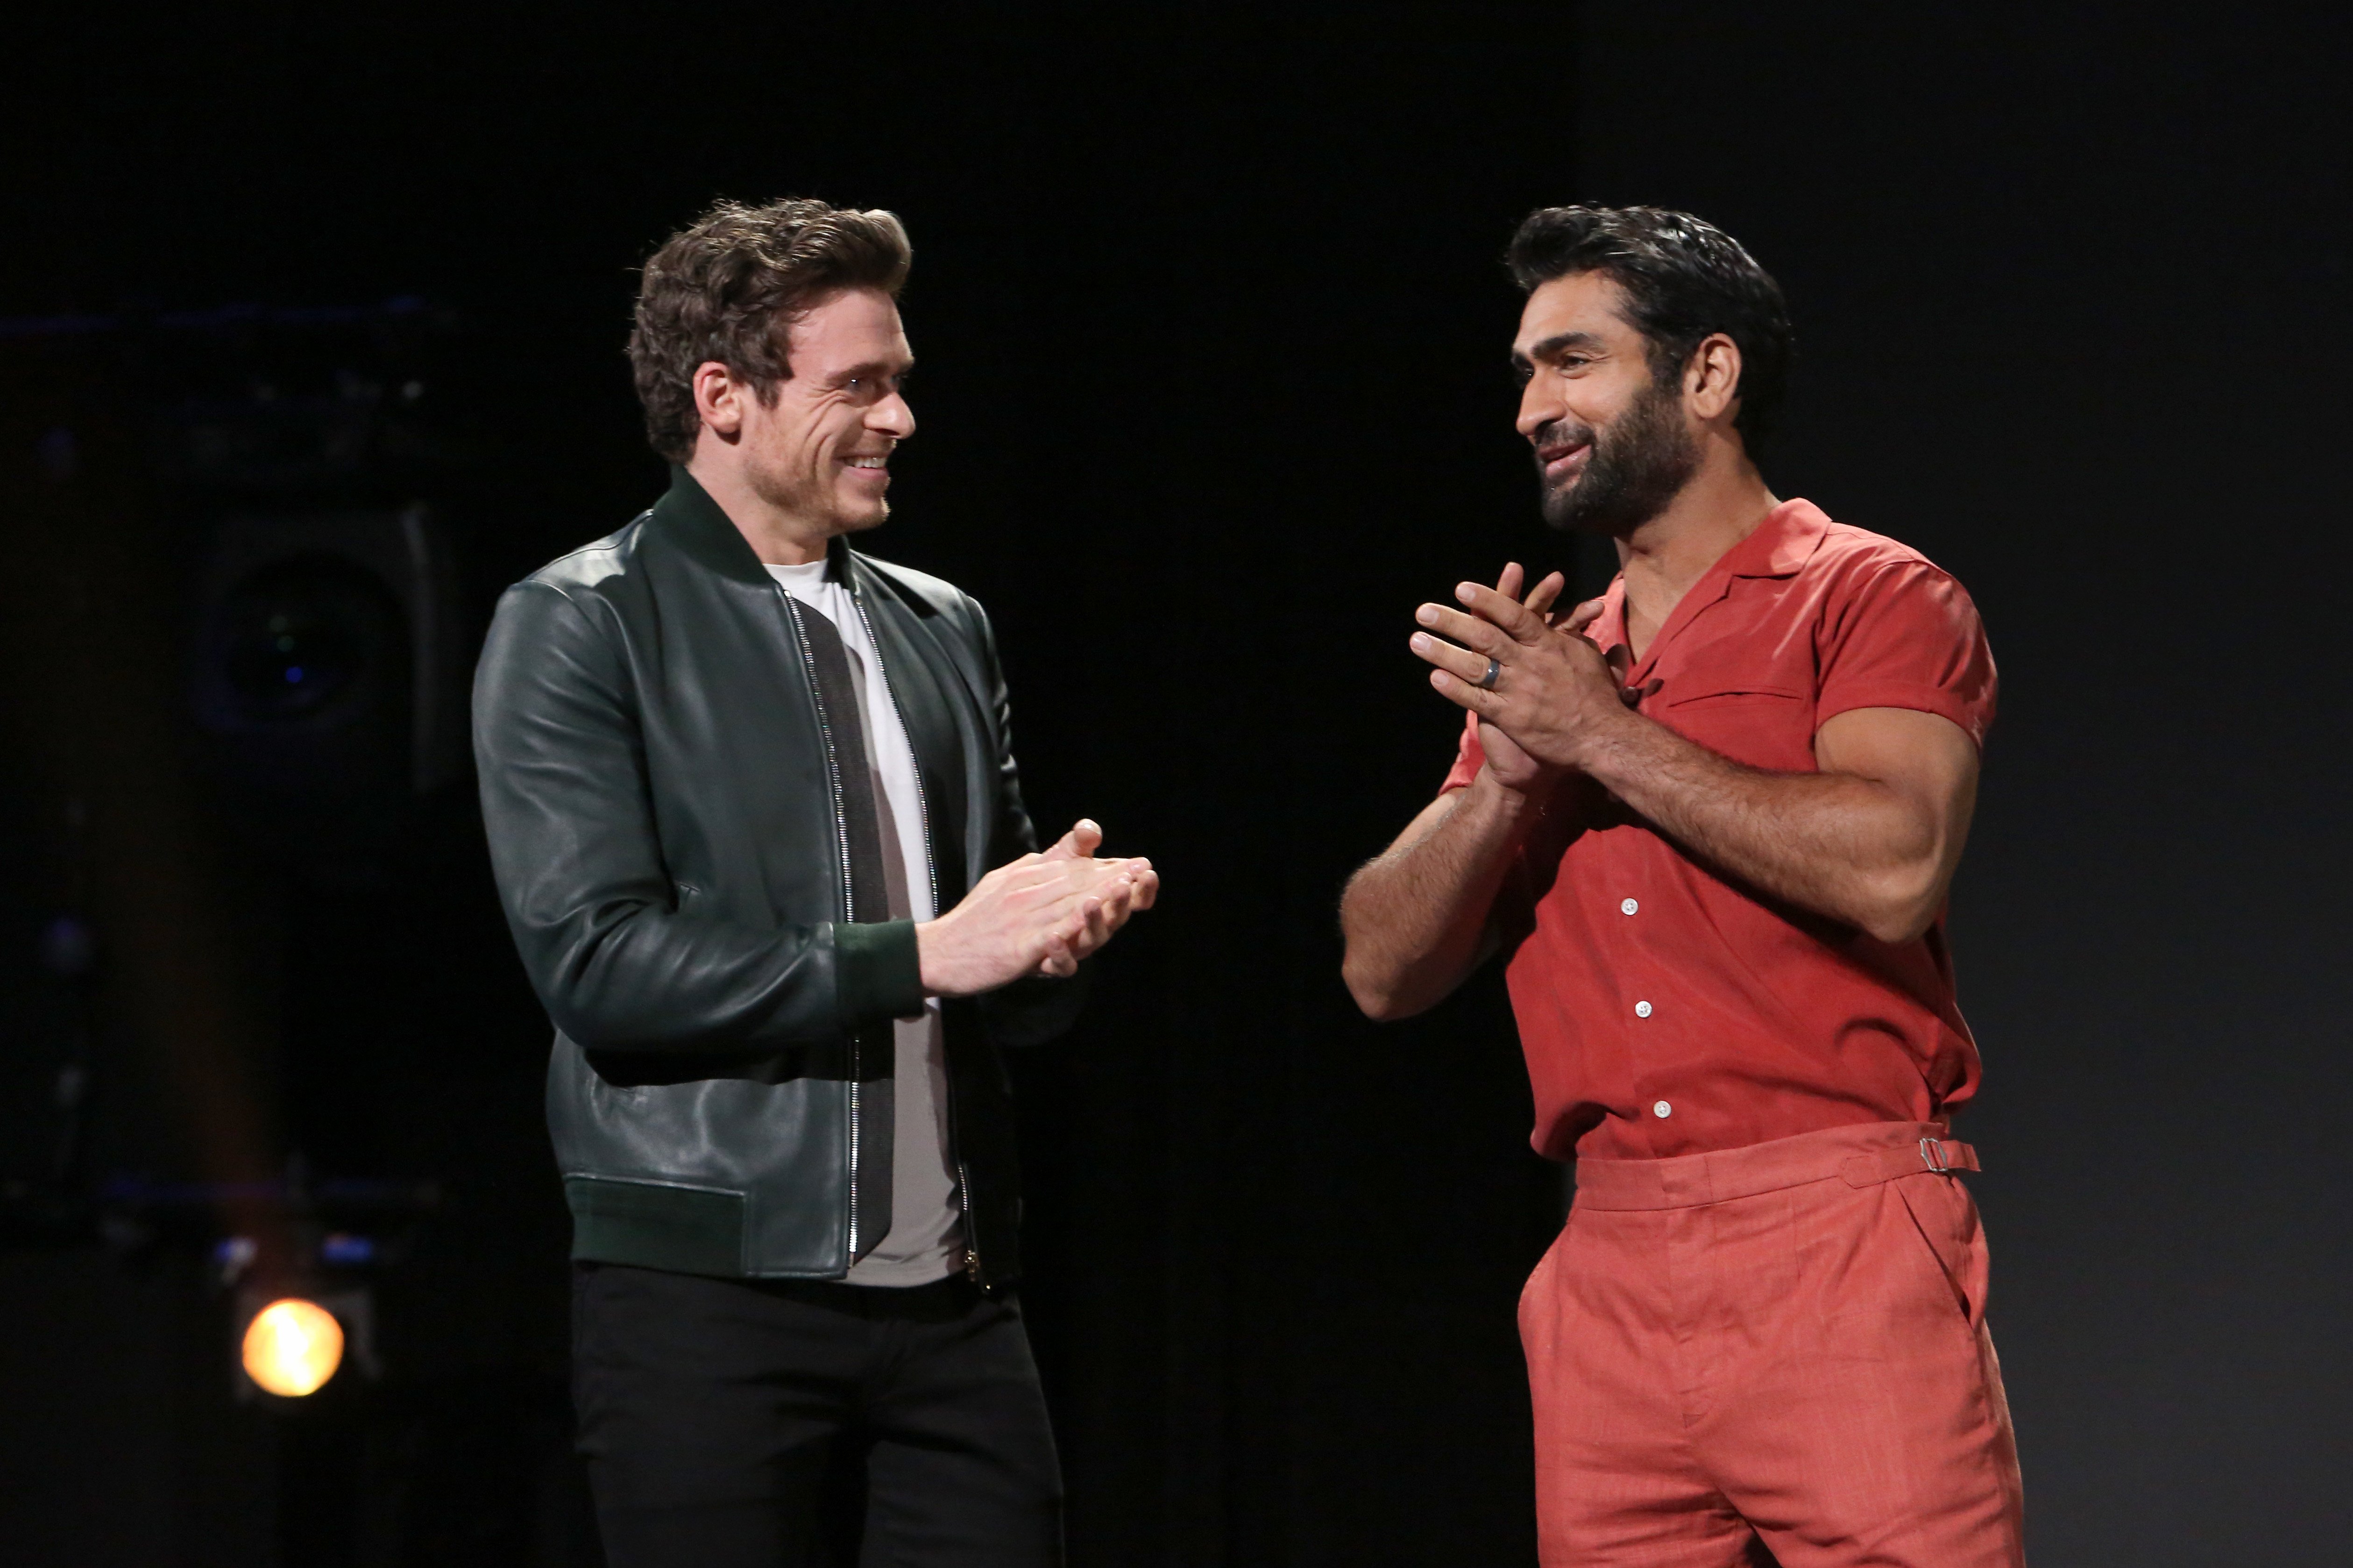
x: 745, y: 787
x: 1713, y: 815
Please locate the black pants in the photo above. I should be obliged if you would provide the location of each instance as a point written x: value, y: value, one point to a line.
x: 736, y: 1424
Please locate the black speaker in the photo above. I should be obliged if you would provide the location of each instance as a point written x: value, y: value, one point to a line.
x: 328, y: 677
x: 310, y: 462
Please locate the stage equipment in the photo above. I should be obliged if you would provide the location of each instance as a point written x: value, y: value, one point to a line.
x: 328, y: 1242
x: 315, y: 461
x: 302, y: 468
x: 328, y: 677
x: 292, y: 1347
x: 234, y: 632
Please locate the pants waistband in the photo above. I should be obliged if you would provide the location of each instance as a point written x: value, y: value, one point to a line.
x: 1860, y: 1156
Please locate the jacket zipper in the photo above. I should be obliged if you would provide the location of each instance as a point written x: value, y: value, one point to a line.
x: 841, y: 846
x: 931, y: 869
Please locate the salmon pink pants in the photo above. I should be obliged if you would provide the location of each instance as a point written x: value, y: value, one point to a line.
x: 1774, y: 1355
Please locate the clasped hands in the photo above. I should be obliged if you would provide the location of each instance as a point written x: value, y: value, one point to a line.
x: 1554, y: 696
x: 1037, y: 915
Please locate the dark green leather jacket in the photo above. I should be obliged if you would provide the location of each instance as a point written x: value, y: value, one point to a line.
x: 665, y: 825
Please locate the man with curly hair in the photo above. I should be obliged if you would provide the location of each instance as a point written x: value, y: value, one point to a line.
x: 753, y: 806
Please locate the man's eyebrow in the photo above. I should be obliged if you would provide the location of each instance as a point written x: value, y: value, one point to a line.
x: 875, y: 367
x: 1553, y: 346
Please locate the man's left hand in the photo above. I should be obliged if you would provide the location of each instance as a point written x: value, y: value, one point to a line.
x: 1133, y: 889
x: 1553, y: 693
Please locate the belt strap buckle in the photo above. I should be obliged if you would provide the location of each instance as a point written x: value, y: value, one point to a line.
x: 1932, y: 1154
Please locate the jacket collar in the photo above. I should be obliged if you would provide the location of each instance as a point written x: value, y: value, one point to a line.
x: 694, y: 522
x: 700, y: 528
x: 838, y: 557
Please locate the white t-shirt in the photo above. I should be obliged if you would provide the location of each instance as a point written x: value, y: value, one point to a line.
x: 924, y: 1243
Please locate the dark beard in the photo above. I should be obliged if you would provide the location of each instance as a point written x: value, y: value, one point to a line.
x: 1640, y: 465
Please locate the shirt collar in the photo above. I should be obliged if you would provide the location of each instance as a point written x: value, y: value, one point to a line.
x: 1610, y: 625
x: 1777, y: 547
x: 1781, y: 544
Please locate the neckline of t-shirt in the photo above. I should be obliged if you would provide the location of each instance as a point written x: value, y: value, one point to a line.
x: 798, y: 575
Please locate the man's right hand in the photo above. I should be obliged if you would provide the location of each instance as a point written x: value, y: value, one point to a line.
x: 1037, y: 915
x: 1420, y: 917
x: 1507, y: 765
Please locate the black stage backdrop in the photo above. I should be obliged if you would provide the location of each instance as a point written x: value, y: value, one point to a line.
x: 1213, y: 391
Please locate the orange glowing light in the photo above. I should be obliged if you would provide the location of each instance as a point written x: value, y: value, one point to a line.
x: 292, y: 1347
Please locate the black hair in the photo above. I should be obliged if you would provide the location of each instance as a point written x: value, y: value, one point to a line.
x: 1684, y: 279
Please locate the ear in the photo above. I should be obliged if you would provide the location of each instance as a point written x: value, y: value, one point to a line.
x: 719, y: 399
x: 1712, y: 378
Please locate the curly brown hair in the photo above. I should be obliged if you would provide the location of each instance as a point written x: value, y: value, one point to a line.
x: 729, y: 287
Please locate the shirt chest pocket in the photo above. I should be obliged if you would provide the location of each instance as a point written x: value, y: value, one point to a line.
x: 1763, y: 725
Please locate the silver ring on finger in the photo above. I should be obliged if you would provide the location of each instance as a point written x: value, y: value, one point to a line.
x: 1487, y: 681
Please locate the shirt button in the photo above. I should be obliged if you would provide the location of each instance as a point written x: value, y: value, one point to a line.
x: 1642, y: 1009
x: 1663, y: 1110
x: 1628, y: 907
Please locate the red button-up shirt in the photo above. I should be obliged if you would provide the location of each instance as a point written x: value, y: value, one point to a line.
x: 1665, y: 1011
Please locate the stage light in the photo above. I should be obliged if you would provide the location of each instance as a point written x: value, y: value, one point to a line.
x: 292, y: 1347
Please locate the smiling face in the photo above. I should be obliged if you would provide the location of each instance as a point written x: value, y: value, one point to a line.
x: 1613, y: 443
x: 820, y: 451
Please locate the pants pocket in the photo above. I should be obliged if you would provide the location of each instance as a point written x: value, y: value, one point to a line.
x: 1946, y: 1219
x: 1535, y: 1293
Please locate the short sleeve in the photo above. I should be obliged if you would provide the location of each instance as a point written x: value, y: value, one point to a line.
x: 1907, y: 636
x: 1469, y: 758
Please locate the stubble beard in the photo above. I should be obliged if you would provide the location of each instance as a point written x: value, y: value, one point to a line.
x: 806, y: 496
x: 1640, y: 464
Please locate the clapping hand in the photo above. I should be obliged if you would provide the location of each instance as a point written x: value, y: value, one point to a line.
x: 1542, y: 691
x: 1126, y: 887
x: 1037, y: 915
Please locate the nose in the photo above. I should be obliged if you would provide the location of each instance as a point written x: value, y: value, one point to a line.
x: 1540, y: 405
x: 891, y: 416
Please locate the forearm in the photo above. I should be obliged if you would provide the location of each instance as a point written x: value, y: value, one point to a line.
x: 1871, y: 838
x: 647, y: 980
x: 1837, y: 844
x: 620, y: 965
x: 1415, y: 920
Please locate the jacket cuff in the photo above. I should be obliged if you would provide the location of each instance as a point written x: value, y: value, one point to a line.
x: 882, y: 976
